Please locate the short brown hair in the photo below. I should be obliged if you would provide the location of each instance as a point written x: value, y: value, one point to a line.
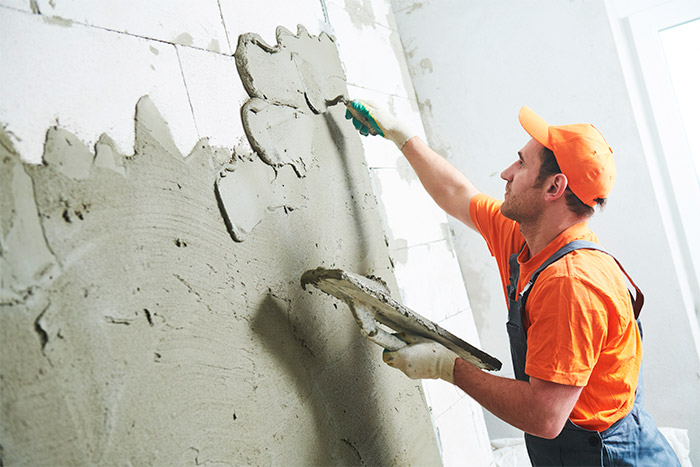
x: 551, y: 167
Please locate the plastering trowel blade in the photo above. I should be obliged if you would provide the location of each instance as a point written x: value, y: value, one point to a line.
x: 371, y: 303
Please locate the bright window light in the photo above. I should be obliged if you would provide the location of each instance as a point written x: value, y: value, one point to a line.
x: 682, y: 49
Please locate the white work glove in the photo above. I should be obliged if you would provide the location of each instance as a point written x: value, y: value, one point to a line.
x: 369, y: 119
x: 422, y: 359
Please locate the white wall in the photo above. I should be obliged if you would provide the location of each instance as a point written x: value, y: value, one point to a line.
x: 474, y: 64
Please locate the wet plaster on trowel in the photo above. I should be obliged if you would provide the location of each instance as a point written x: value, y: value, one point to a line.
x: 136, y: 331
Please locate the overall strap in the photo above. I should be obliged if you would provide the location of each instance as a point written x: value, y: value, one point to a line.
x: 637, y: 300
x: 514, y: 273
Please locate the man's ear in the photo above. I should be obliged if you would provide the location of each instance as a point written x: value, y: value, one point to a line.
x: 556, y: 186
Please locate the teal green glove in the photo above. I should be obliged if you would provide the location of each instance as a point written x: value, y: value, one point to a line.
x: 362, y: 118
x: 369, y: 119
x: 422, y: 358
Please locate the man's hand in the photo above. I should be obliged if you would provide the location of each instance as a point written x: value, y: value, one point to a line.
x: 422, y: 358
x: 369, y: 119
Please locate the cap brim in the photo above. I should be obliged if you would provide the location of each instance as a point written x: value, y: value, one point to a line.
x: 535, y: 125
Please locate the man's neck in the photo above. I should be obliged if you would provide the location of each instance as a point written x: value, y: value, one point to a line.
x: 541, y: 233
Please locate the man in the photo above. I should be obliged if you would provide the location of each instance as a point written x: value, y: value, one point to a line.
x: 575, y: 341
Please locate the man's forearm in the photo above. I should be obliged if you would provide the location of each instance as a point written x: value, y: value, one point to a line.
x: 450, y: 189
x: 537, y: 407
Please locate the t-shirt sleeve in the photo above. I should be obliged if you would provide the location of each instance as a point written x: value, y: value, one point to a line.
x: 567, y: 330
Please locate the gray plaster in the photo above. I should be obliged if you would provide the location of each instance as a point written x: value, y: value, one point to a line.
x: 281, y: 135
x: 251, y: 189
x: 184, y: 39
x: 26, y: 261
x: 308, y: 82
x: 278, y: 117
x: 135, y: 331
x: 67, y: 154
x: 106, y: 155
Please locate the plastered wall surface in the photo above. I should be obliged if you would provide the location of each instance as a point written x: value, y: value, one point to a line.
x: 559, y: 58
x: 151, y: 308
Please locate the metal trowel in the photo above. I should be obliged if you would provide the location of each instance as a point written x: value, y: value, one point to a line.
x: 372, y: 306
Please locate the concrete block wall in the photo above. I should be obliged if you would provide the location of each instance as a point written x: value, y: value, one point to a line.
x: 83, y: 66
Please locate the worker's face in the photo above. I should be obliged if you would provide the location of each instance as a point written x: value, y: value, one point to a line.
x: 523, y: 201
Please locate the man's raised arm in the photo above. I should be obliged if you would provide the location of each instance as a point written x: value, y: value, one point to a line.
x: 450, y: 189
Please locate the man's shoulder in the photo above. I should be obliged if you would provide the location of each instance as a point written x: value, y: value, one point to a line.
x: 484, y: 204
x: 589, y: 269
x: 583, y: 283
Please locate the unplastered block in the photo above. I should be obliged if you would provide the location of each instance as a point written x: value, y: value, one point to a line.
x: 380, y: 152
x: 430, y: 280
x: 264, y: 16
x: 87, y: 80
x: 196, y: 24
x: 365, y: 13
x: 372, y: 54
x: 216, y: 95
x: 412, y: 217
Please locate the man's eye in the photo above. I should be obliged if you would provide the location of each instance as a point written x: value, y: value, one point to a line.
x: 520, y: 163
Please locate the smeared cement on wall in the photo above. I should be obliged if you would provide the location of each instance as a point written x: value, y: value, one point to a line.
x: 278, y: 118
x: 135, y: 330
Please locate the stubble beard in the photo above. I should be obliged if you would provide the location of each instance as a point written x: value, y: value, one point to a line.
x: 523, y: 210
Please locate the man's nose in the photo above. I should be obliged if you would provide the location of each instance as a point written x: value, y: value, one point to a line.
x: 505, y: 175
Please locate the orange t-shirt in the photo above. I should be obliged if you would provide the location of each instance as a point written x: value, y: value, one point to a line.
x: 579, y: 320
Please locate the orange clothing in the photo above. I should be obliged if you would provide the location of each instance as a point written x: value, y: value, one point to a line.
x: 579, y: 320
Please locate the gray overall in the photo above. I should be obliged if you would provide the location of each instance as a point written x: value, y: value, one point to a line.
x: 634, y: 440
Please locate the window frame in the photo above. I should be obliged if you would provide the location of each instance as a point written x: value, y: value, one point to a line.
x: 636, y: 26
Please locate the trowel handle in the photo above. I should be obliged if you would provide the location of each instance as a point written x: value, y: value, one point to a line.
x: 357, y: 115
x: 369, y: 328
x: 386, y: 340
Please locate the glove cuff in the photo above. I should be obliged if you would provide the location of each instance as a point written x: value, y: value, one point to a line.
x: 447, y: 368
x: 400, y: 134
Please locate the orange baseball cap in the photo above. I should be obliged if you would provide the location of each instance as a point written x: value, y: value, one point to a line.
x: 581, y: 151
